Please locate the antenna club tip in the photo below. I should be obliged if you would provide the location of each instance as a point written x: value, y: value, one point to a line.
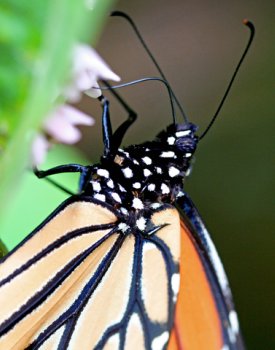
x: 248, y: 23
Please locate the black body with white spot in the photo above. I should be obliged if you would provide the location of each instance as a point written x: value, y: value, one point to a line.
x: 145, y: 174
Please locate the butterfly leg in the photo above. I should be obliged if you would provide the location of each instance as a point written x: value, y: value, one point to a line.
x: 112, y: 141
x: 68, y: 168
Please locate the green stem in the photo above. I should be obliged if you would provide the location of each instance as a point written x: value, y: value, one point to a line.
x: 66, y: 22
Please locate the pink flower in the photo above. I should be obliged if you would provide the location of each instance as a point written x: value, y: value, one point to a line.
x: 59, y: 127
x: 88, y: 67
x: 60, y: 124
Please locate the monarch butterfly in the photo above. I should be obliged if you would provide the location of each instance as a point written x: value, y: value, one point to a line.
x: 125, y: 264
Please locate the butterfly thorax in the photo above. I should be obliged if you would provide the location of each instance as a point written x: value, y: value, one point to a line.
x: 145, y: 176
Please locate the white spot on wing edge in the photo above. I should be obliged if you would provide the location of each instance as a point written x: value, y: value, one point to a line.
x: 233, y: 318
x: 217, y: 264
x: 225, y: 347
x: 175, y: 284
x: 231, y: 335
x: 159, y: 342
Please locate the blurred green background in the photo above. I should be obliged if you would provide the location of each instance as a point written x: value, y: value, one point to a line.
x: 198, y: 44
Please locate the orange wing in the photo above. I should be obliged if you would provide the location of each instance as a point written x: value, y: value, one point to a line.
x: 197, y: 325
x: 204, y: 317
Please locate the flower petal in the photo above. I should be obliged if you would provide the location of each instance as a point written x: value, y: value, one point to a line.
x: 75, y: 116
x: 60, y: 124
x: 94, y: 92
x: 40, y: 147
x: 85, y: 57
x: 88, y: 68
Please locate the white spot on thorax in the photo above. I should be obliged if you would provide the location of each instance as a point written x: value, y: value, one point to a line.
x: 122, y: 189
x: 173, y: 171
x: 180, y: 194
x: 103, y: 173
x: 187, y: 155
x: 135, y: 162
x: 183, y: 133
x: 147, y: 172
x: 168, y: 154
x: 159, y: 342
x: 147, y: 160
x: 125, y: 153
x: 96, y: 186
x: 141, y: 223
x: 155, y: 205
x: 100, y: 197
x: 164, y: 189
x: 124, y: 211
x: 116, y: 197
x: 216, y: 261
x: 110, y: 183
x: 151, y: 187
x: 137, y: 203
x: 171, y: 140
x: 137, y: 185
x: 159, y: 170
x: 128, y: 173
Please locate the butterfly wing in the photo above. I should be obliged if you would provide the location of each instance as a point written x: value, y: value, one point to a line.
x: 77, y: 280
x: 43, y: 269
x: 205, y: 317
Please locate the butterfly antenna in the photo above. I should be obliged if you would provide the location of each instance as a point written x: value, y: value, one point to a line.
x: 252, y: 33
x: 143, y: 43
x: 142, y: 80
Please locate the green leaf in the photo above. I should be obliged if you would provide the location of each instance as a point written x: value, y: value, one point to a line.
x: 36, y: 41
